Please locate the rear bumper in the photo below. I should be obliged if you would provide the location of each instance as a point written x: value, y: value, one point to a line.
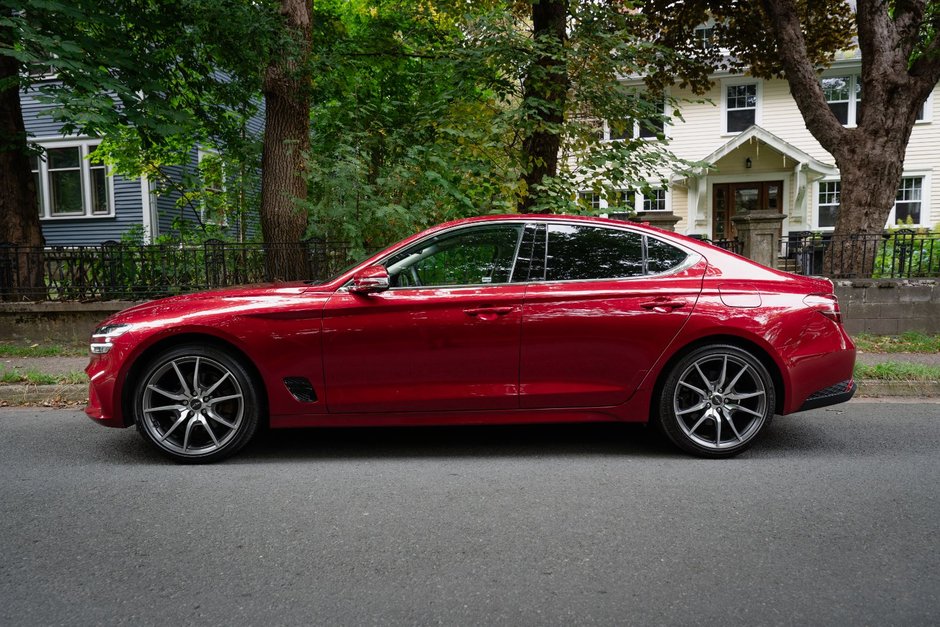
x: 832, y: 395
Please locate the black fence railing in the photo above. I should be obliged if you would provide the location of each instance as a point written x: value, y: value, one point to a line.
x: 115, y: 270
x: 900, y: 254
x: 731, y: 245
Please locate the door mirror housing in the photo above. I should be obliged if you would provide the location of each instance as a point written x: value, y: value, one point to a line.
x: 370, y: 280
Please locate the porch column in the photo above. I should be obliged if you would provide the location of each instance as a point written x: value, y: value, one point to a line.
x: 759, y: 233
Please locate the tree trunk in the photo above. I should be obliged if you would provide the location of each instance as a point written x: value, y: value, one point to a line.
x: 21, y: 269
x: 870, y: 157
x: 545, y: 91
x: 286, y: 143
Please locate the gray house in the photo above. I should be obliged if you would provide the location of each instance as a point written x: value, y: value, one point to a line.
x: 82, y: 203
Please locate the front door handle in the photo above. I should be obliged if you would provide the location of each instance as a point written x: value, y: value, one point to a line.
x: 486, y: 313
x: 663, y: 305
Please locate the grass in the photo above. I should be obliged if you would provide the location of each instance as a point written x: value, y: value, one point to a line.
x: 896, y: 371
x: 910, y: 342
x: 35, y: 377
x: 8, y: 349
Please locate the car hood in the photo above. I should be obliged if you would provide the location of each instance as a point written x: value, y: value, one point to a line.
x: 232, y: 300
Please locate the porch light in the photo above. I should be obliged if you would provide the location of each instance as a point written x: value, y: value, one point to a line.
x: 747, y: 163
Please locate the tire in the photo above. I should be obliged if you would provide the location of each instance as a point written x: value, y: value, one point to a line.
x: 716, y: 401
x: 196, y: 404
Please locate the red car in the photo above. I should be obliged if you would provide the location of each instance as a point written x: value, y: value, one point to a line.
x: 508, y: 319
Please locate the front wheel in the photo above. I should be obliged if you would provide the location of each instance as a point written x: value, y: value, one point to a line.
x: 196, y: 403
x: 716, y: 401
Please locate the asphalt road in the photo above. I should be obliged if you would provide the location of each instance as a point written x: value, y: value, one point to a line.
x: 833, y: 519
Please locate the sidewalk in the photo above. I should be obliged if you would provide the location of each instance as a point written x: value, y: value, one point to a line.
x: 77, y: 394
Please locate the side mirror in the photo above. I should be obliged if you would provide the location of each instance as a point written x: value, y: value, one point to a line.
x: 370, y: 280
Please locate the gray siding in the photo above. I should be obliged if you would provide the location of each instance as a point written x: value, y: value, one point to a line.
x: 90, y: 231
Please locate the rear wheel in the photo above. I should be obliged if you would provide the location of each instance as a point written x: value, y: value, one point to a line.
x: 196, y: 403
x: 716, y: 401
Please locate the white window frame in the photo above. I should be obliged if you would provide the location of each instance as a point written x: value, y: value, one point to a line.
x: 635, y: 134
x: 201, y: 154
x: 924, y: 177
x: 816, y: 205
x: 639, y: 201
x: 855, y: 78
x: 758, y: 105
x: 84, y: 145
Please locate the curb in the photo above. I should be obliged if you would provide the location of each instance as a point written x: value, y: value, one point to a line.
x: 25, y: 394
x: 73, y: 393
x: 869, y: 388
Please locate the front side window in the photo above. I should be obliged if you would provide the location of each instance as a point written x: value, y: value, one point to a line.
x: 829, y: 193
x: 69, y: 184
x: 907, y: 205
x: 472, y: 256
x: 740, y: 107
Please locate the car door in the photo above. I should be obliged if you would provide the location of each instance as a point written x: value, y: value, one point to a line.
x: 443, y: 337
x: 599, y: 311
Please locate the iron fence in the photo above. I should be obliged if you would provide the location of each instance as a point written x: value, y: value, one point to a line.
x: 731, y: 245
x: 115, y: 270
x: 900, y: 254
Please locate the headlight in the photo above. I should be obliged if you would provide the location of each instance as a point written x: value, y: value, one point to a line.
x: 101, y: 339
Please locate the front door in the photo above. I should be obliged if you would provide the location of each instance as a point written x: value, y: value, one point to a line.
x: 729, y: 199
x: 444, y: 337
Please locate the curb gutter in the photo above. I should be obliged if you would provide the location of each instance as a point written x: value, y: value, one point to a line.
x: 24, y: 394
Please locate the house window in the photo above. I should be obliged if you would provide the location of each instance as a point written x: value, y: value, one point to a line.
x: 655, y: 200
x: 908, y: 200
x: 650, y: 126
x: 69, y: 185
x: 705, y: 37
x: 838, y: 92
x: 213, y: 187
x: 829, y: 192
x: 740, y: 107
x: 36, y: 169
x: 590, y: 200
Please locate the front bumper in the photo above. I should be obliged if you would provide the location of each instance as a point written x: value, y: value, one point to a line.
x: 102, y: 407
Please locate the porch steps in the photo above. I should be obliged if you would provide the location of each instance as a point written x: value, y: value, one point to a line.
x: 787, y: 264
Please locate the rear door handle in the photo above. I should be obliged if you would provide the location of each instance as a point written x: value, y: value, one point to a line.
x: 487, y: 312
x: 663, y: 304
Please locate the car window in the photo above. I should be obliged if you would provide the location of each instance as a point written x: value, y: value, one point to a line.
x: 661, y: 256
x: 578, y: 252
x: 471, y: 256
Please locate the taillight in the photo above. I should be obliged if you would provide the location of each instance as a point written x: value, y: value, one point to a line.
x: 826, y: 304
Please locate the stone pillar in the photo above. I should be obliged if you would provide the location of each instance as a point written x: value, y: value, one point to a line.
x: 759, y: 234
x: 665, y: 220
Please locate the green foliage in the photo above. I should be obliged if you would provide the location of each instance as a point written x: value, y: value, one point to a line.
x: 897, y: 371
x: 909, y: 342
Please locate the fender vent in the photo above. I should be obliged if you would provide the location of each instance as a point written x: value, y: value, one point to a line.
x: 301, y: 389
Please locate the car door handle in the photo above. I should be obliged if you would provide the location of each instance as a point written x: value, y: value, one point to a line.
x: 663, y: 304
x: 487, y: 312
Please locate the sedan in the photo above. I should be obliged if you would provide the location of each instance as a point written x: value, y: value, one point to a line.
x: 500, y: 319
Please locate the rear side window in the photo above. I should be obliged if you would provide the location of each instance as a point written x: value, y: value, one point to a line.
x: 583, y: 253
x: 661, y: 256
x: 590, y: 252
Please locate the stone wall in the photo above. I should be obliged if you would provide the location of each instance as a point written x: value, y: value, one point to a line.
x: 884, y: 307
x: 889, y: 306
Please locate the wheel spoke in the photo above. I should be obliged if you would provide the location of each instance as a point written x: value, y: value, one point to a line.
x: 708, y: 384
x: 179, y: 375
x: 213, y: 401
x: 217, y: 383
x: 219, y: 419
x: 731, y: 424
x: 170, y: 395
x: 189, y: 430
x: 701, y: 393
x: 734, y: 381
x: 703, y: 418
x: 744, y: 395
x: 196, y: 377
x: 205, y: 425
x: 150, y: 410
x: 724, y: 372
x: 183, y: 416
x: 745, y: 410
x: 698, y: 407
x: 717, y: 428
